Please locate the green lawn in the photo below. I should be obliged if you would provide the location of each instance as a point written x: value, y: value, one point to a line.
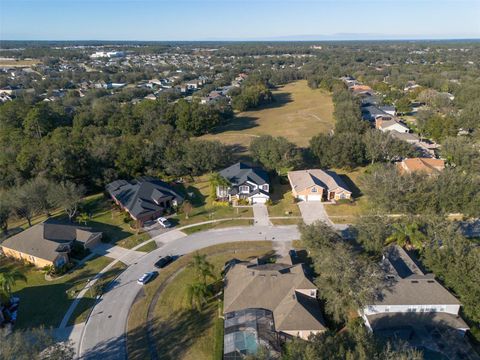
x: 86, y: 303
x: 181, y: 333
x: 218, y: 225
x: 204, y: 209
x: 45, y: 302
x: 110, y: 221
x: 298, y: 113
x: 283, y: 203
x: 152, y: 245
x: 349, y: 213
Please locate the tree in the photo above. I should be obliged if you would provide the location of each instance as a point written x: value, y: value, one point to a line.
x: 83, y: 217
x: 19, y: 199
x: 4, y: 212
x: 380, y: 146
x: 33, y: 344
x: 275, y: 153
x: 39, y: 190
x: 408, y: 236
x: 348, y: 280
x: 203, y: 156
x: 217, y: 180
x: 202, y: 268
x: 372, y: 232
x: 8, y: 279
x: 197, y: 295
x: 68, y: 197
x: 187, y: 208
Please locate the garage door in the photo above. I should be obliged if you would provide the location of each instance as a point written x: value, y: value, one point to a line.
x: 314, y: 198
x: 302, y: 197
x: 259, y: 200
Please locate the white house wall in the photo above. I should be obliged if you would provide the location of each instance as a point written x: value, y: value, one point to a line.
x: 379, y: 309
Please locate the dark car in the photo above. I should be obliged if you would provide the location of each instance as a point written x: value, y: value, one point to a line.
x: 164, y: 261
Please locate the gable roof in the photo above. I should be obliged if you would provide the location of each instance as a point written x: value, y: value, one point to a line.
x: 240, y: 172
x: 427, y: 165
x: 140, y: 196
x: 46, y: 240
x: 273, y: 287
x: 304, y: 179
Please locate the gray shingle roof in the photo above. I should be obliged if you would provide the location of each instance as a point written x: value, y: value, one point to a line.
x: 45, y: 240
x: 239, y: 173
x: 140, y: 195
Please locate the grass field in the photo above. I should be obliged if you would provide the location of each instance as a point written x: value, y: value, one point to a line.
x: 179, y: 332
x: 297, y: 114
x: 18, y: 63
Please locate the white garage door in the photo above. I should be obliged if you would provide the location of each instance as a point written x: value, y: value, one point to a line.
x: 259, y: 200
x: 314, y: 198
x: 302, y: 197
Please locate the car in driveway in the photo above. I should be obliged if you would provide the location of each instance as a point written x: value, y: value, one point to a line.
x: 145, y: 278
x: 164, y: 222
x: 164, y: 261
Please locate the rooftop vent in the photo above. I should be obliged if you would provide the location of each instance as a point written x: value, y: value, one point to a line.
x: 414, y: 282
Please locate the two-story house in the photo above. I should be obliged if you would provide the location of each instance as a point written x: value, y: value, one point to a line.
x: 318, y: 185
x: 245, y: 182
x: 411, y: 299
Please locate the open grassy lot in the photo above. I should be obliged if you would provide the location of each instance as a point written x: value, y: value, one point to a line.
x: 179, y: 332
x: 283, y: 203
x: 297, y: 114
x: 18, y: 63
x: 204, y: 209
x: 349, y: 213
x: 45, y: 302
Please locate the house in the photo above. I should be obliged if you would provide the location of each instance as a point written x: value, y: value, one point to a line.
x: 411, y: 299
x: 389, y: 109
x: 145, y: 198
x: 425, y: 165
x: 405, y: 136
x: 372, y: 113
x: 265, y: 304
x: 318, y: 185
x: 246, y: 182
x: 389, y: 125
x: 48, y: 243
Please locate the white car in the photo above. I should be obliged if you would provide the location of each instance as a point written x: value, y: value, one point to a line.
x: 145, y: 278
x: 164, y: 222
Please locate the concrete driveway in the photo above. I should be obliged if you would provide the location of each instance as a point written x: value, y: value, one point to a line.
x: 313, y: 211
x: 260, y: 215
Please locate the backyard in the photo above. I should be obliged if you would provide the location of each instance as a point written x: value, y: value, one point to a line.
x: 298, y: 113
x: 179, y: 331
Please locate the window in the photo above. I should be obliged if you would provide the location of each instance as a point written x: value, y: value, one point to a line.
x: 312, y: 293
x: 314, y: 189
x: 387, y: 309
x: 244, y: 189
x: 264, y: 187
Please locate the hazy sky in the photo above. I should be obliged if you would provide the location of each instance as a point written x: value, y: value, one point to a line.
x: 236, y: 19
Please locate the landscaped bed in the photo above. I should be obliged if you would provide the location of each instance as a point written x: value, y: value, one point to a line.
x: 178, y: 331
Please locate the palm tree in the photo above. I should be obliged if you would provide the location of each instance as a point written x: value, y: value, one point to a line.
x: 197, y: 295
x: 202, y: 267
x: 83, y: 218
x: 408, y: 236
x: 8, y: 279
x: 217, y: 180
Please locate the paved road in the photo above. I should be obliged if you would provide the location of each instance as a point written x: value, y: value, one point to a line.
x: 104, y: 333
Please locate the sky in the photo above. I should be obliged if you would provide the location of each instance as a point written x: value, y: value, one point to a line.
x: 173, y: 20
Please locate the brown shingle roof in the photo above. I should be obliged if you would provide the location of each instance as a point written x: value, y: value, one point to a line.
x: 303, y: 179
x: 427, y: 165
x: 273, y: 287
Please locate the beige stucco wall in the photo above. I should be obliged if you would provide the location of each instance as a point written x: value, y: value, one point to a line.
x: 303, y: 334
x: 38, y: 262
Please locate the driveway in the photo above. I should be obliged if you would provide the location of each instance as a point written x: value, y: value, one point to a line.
x: 117, y: 252
x: 313, y: 211
x: 260, y: 215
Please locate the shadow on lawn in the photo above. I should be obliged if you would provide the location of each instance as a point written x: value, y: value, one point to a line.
x: 356, y: 192
x: 111, y: 233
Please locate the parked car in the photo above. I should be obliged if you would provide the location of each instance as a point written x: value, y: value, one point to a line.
x: 164, y: 261
x: 164, y: 222
x: 145, y: 278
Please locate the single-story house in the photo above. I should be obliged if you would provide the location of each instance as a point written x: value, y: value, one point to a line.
x: 246, y: 182
x: 390, y: 125
x: 48, y: 243
x: 411, y: 298
x: 265, y: 304
x: 425, y: 165
x: 372, y: 113
x: 405, y: 136
x: 145, y: 198
x: 318, y: 185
